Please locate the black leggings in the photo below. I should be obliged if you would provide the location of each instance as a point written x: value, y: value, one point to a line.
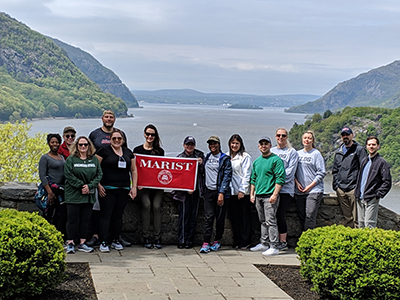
x: 112, y: 208
x: 284, y: 202
x: 78, y: 216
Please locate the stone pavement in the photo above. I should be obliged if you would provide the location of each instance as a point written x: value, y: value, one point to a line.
x: 171, y: 273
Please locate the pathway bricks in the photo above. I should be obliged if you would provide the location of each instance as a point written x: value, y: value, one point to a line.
x: 171, y: 273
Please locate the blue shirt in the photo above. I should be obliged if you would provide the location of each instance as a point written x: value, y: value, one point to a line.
x: 364, y: 177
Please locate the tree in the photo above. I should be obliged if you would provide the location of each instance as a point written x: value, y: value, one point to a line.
x: 20, y: 153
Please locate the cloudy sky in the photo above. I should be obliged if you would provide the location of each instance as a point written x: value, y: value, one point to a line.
x: 261, y: 47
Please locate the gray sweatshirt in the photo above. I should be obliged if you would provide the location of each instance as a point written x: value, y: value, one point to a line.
x: 311, y: 167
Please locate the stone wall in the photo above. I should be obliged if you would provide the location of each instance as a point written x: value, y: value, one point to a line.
x: 20, y: 196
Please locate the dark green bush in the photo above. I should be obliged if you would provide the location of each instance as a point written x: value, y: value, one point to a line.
x: 32, y: 257
x: 347, y: 263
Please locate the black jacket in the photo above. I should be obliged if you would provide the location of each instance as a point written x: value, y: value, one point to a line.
x: 346, y: 166
x: 379, y: 180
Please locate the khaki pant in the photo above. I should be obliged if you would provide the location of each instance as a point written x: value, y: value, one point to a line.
x: 348, y: 204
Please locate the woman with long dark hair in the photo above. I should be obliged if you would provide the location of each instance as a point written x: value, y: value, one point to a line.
x: 239, y: 202
x: 309, y: 180
x: 82, y: 173
x: 119, y: 182
x: 151, y: 197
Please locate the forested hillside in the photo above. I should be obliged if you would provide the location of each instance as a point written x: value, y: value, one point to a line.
x: 364, y: 121
x: 107, y: 80
x: 379, y: 87
x: 37, y: 79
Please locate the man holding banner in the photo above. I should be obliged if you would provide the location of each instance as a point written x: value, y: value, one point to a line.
x: 189, y: 200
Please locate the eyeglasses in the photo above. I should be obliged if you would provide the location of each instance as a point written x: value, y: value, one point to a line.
x: 72, y: 136
x: 150, y: 134
x: 83, y: 145
x: 281, y: 135
x: 115, y: 138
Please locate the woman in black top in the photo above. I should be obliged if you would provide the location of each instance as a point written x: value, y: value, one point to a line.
x: 151, y: 197
x: 119, y: 169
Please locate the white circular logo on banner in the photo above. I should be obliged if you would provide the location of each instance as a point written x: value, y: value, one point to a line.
x: 164, y: 177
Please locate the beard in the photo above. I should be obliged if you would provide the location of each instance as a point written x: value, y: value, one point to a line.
x: 346, y: 141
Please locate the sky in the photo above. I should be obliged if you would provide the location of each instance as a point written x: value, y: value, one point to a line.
x: 263, y: 47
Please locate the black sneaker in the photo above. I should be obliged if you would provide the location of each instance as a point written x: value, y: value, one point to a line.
x: 181, y: 246
x: 94, y: 241
x: 282, y: 246
x: 189, y: 245
x: 123, y: 242
x: 147, y: 244
x: 157, y: 244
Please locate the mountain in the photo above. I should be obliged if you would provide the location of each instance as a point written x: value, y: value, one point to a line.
x: 107, y: 80
x: 39, y: 80
x: 379, y: 88
x: 188, y: 96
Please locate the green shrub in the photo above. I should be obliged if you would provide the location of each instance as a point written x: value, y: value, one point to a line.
x: 32, y: 257
x: 347, y: 263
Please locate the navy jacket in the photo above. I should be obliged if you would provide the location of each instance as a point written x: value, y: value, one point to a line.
x: 224, y: 174
x: 379, y: 181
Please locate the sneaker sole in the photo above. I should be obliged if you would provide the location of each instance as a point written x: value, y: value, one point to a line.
x: 71, y: 252
x: 86, y: 251
x: 104, y: 250
x: 117, y: 248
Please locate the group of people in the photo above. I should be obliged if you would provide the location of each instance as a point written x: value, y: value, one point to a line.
x: 96, y: 176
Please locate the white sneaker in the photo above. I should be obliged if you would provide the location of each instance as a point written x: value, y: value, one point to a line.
x: 116, y: 245
x: 259, y: 247
x: 104, y: 247
x: 271, y: 251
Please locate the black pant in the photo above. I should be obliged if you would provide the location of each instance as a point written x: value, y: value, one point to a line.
x: 213, y: 211
x: 187, y: 218
x: 240, y: 217
x: 56, y: 213
x: 112, y: 208
x: 78, y: 216
x: 284, y: 202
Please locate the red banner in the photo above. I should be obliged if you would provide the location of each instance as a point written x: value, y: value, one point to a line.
x: 161, y: 172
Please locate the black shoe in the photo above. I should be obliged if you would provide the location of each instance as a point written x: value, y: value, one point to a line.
x: 157, y: 244
x: 181, y: 246
x: 147, y: 244
x: 94, y: 241
x: 189, y: 245
x: 123, y: 242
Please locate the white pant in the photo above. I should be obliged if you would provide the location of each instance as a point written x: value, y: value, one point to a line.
x: 367, y: 212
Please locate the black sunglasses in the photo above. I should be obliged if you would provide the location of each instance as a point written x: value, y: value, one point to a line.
x: 150, y: 134
x: 70, y: 136
x: 83, y: 145
x: 114, y: 138
x: 281, y: 135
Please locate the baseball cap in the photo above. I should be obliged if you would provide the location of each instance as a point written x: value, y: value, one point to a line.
x: 189, y: 139
x: 69, y: 128
x: 347, y: 130
x: 265, y: 138
x: 213, y: 138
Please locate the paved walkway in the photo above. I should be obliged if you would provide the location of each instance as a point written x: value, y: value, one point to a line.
x: 171, y: 273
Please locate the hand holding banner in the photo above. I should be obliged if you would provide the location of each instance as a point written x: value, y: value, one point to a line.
x: 161, y: 172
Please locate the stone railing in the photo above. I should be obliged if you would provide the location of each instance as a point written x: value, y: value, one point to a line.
x: 20, y: 196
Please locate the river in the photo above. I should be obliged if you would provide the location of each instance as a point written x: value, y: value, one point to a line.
x: 175, y: 122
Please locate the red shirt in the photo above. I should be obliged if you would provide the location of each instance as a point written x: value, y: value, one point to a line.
x: 63, y: 150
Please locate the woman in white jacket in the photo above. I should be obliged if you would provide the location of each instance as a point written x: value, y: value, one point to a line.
x: 239, y: 203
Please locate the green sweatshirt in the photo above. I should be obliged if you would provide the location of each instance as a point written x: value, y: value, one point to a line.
x: 79, y: 172
x: 267, y: 171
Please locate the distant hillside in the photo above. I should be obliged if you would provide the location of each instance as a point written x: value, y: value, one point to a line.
x: 39, y: 80
x: 379, y: 87
x: 108, y: 81
x: 187, y: 96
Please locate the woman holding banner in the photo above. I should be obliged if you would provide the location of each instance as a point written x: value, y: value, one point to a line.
x: 189, y: 201
x: 119, y: 170
x: 218, y: 176
x: 151, y: 197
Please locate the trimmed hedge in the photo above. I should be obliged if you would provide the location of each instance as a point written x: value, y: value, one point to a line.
x: 32, y: 257
x: 347, y: 263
